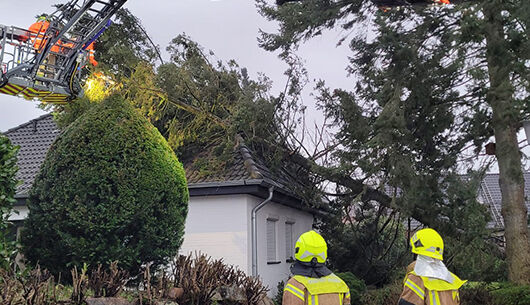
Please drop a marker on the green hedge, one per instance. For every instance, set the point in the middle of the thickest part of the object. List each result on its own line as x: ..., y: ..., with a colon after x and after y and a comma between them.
x: 495, y: 294
x: 110, y: 189
x: 356, y: 285
x: 471, y: 294
x: 388, y: 295
x: 8, y: 184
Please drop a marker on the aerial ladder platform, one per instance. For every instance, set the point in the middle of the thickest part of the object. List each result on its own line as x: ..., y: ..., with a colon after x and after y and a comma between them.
x: 46, y: 65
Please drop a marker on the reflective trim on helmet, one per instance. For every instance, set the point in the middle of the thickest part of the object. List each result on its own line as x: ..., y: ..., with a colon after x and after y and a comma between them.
x: 307, y: 254
x: 295, y: 291
x: 434, y: 250
x: 415, y: 288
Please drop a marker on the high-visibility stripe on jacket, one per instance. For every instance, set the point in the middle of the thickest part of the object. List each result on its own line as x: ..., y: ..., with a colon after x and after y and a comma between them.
x: 419, y: 290
x: 92, y: 55
x: 329, y: 290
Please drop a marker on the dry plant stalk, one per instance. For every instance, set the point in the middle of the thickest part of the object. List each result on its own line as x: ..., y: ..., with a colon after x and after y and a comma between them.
x: 200, y: 276
x: 36, y: 288
x: 9, y: 287
x: 150, y: 293
x: 79, y: 285
x: 254, y: 290
x: 108, y: 283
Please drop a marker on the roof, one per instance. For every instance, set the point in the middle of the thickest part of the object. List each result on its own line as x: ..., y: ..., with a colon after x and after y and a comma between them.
x: 34, y: 138
x: 490, y: 194
x: 244, y: 167
x: 243, y: 173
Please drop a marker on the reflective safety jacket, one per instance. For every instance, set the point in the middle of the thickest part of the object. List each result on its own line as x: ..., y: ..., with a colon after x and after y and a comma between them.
x: 327, y: 290
x: 420, y: 290
x: 91, y: 55
x: 37, y: 30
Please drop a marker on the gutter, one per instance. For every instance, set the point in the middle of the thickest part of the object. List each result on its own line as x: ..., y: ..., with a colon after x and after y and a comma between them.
x: 255, y: 231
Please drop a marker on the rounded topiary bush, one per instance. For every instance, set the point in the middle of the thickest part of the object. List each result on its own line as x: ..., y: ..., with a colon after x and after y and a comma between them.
x: 110, y: 189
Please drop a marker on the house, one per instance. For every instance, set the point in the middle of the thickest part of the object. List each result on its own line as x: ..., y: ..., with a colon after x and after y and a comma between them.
x: 490, y: 195
x: 221, y: 206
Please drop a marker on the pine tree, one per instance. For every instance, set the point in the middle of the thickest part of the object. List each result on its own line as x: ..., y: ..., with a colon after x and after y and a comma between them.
x: 430, y: 84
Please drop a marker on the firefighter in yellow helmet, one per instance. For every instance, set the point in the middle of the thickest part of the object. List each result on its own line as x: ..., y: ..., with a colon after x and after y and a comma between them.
x: 429, y: 282
x: 312, y: 282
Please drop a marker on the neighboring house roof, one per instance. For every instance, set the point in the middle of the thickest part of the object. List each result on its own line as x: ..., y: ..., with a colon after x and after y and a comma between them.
x: 243, y: 174
x: 490, y: 194
x: 34, y: 139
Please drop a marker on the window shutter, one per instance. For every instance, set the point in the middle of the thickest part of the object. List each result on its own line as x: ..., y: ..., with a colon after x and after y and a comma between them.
x: 289, y: 242
x: 271, y: 240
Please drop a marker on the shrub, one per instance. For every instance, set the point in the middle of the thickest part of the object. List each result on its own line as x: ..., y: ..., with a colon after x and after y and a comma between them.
x: 510, y: 294
x: 495, y: 294
x: 388, y: 295
x: 477, y: 260
x: 367, y: 248
x: 110, y: 189
x: 357, y: 286
x: 278, y: 297
x: 472, y: 293
x: 202, y: 277
x: 8, y: 183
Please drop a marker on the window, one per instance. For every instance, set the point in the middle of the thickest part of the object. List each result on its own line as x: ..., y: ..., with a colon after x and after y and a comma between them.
x: 289, y: 241
x: 271, y: 240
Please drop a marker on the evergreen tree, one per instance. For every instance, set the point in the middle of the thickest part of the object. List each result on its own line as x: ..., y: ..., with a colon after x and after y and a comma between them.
x: 431, y: 85
x: 8, y: 184
x: 110, y: 189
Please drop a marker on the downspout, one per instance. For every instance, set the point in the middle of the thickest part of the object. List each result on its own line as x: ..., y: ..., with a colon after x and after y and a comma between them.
x: 255, y: 232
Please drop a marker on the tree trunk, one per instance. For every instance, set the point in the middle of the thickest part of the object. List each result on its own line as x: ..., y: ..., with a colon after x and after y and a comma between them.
x: 506, y: 123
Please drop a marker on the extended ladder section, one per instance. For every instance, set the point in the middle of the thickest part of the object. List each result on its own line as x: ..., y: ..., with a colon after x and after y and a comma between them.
x: 494, y: 208
x: 45, y: 65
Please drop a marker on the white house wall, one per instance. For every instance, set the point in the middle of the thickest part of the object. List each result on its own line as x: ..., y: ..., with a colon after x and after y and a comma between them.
x: 20, y: 213
x: 271, y: 274
x: 217, y: 226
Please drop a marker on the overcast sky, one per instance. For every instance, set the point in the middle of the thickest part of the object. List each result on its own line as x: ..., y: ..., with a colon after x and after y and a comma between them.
x: 227, y: 27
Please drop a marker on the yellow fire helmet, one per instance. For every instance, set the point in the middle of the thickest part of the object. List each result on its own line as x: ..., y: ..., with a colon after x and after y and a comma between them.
x: 428, y: 242
x: 311, y: 245
x: 42, y: 17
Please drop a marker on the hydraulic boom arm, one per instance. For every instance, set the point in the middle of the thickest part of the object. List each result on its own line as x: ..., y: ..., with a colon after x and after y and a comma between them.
x: 45, y: 65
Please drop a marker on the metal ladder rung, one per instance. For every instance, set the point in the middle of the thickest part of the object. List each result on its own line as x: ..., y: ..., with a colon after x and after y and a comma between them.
x: 95, y: 11
x: 58, y: 54
x: 46, y: 79
x: 51, y: 65
x: 104, y: 2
